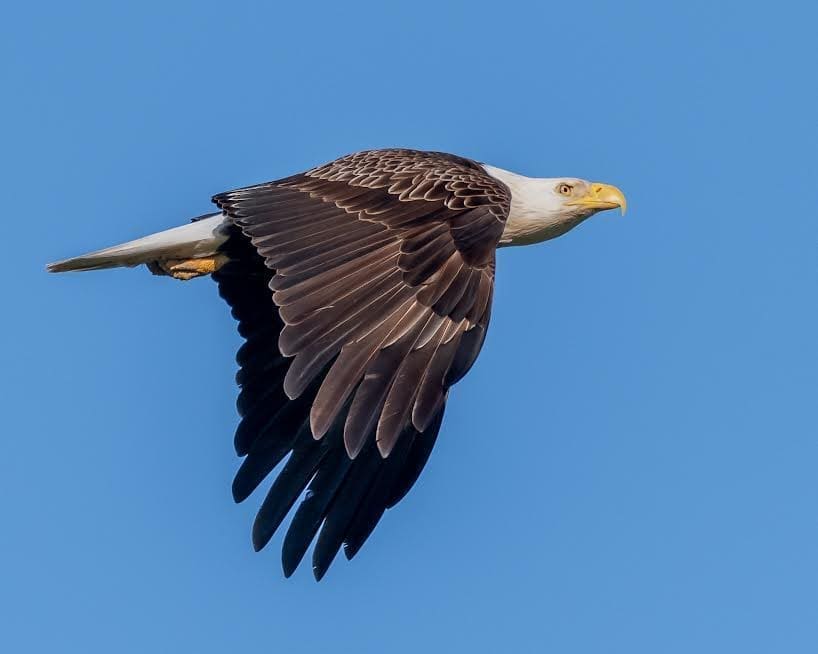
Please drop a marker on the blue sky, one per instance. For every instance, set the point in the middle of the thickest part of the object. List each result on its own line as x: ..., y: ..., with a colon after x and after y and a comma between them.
x: 631, y: 465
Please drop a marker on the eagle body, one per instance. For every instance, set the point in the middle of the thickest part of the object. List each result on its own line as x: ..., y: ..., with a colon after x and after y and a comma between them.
x: 363, y: 290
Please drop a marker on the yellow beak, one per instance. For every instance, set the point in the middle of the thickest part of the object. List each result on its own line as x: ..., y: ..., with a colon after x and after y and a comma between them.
x: 602, y: 197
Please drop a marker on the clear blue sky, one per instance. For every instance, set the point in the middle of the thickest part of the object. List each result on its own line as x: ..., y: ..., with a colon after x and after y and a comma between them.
x: 629, y: 468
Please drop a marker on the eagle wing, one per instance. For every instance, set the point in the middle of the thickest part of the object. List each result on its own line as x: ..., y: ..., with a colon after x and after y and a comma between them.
x: 381, y: 270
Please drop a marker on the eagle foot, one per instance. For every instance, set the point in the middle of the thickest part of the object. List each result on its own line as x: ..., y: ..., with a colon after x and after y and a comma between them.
x: 186, y: 269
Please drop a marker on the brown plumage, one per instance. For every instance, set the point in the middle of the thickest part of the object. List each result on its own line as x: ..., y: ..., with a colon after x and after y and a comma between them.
x: 380, y: 268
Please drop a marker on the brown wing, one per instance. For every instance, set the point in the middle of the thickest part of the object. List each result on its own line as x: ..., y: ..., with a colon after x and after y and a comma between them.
x: 381, y: 266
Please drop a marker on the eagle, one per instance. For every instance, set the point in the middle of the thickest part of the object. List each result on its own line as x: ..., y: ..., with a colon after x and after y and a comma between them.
x: 362, y: 289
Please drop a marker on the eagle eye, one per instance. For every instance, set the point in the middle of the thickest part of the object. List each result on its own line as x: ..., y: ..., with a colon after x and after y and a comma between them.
x: 565, y: 189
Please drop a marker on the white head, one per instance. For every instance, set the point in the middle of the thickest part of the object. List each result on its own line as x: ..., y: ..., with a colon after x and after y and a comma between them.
x: 546, y: 207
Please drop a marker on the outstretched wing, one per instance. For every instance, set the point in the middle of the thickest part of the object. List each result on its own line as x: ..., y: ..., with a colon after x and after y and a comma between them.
x: 381, y: 270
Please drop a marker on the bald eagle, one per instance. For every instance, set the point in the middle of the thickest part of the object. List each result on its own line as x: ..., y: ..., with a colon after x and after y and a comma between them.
x: 363, y: 290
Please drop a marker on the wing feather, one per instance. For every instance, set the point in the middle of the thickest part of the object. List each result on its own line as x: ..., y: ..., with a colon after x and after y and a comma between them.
x: 432, y: 390
x: 346, y: 507
x: 370, y: 294
x: 403, y: 391
x: 312, y: 510
x: 351, y: 363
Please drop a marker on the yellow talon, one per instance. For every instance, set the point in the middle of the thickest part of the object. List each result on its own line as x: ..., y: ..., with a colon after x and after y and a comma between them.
x: 185, y: 269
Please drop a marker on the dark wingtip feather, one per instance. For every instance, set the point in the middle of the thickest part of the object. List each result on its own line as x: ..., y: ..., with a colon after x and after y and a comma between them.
x: 259, y: 540
x: 373, y: 505
x: 289, y: 567
x: 324, y: 554
x: 351, y: 549
x: 262, y: 533
x: 314, y: 508
x: 415, y: 461
x: 260, y: 462
x: 291, y: 481
x: 319, y: 572
x: 346, y: 506
x: 239, y: 492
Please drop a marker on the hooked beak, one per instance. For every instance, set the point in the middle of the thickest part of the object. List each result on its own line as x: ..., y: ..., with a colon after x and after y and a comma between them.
x: 602, y: 197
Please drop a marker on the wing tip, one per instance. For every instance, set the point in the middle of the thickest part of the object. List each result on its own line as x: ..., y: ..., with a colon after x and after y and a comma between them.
x: 318, y: 571
x: 288, y: 568
x: 260, y: 538
x: 349, y: 552
x: 240, y: 489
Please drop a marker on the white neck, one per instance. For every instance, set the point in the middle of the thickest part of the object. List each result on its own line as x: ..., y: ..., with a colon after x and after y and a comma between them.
x: 535, y: 214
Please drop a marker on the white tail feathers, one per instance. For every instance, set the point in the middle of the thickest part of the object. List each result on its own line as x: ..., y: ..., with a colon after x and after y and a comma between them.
x: 201, y: 238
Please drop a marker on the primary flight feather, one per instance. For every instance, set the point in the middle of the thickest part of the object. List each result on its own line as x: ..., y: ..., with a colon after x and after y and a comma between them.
x: 363, y: 291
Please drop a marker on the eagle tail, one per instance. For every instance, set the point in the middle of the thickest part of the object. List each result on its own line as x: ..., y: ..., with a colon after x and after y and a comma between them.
x: 197, y: 240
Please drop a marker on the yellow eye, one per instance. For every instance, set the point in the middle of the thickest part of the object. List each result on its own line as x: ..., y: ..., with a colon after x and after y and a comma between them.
x: 565, y: 189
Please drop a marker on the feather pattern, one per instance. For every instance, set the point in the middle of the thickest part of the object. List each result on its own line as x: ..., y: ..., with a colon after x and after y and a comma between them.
x: 363, y: 288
